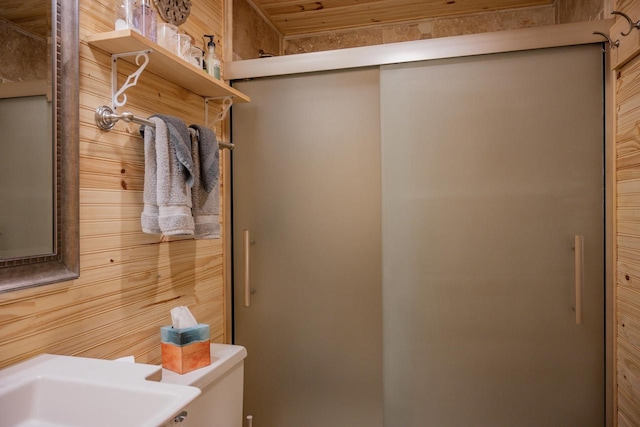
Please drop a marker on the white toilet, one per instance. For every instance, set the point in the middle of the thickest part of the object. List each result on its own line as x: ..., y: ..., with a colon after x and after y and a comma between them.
x: 222, y: 382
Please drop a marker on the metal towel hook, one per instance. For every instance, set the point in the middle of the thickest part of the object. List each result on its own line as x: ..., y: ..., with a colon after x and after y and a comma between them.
x: 632, y: 24
x: 612, y: 44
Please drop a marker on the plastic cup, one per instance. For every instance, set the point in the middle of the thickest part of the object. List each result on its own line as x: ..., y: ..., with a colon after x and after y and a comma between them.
x: 184, y: 46
x: 167, y: 36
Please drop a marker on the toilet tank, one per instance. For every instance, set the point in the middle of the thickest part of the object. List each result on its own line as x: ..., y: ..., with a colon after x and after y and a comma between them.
x: 220, y: 403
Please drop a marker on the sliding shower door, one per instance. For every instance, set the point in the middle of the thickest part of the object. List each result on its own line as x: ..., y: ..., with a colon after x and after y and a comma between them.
x: 306, y: 211
x: 491, y: 165
x: 411, y: 235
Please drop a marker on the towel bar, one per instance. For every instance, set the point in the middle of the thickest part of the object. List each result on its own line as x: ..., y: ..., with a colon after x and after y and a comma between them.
x: 106, y: 118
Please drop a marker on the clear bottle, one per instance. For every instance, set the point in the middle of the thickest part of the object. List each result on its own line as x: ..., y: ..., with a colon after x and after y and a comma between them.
x: 125, y: 10
x: 146, y: 20
x: 212, y: 61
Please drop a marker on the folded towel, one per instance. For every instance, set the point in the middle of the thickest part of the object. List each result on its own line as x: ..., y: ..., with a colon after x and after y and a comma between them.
x: 173, y: 193
x: 205, y: 194
x: 149, y: 217
x: 181, y: 141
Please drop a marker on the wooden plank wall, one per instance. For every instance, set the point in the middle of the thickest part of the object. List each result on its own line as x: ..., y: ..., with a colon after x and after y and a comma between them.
x: 628, y: 243
x: 626, y: 64
x: 128, y: 281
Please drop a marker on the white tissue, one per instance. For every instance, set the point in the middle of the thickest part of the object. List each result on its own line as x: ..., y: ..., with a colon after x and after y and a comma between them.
x: 181, y: 318
x: 127, y: 359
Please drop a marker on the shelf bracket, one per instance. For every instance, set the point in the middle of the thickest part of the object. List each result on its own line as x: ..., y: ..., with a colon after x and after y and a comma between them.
x: 132, y: 79
x: 227, y: 102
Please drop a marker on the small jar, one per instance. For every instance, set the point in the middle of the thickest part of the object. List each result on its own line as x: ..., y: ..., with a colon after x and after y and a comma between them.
x: 146, y: 20
x: 197, y: 55
x: 167, y: 36
x: 183, y: 47
x: 125, y: 10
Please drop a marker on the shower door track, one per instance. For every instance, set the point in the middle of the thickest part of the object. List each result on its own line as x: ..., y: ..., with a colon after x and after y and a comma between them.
x: 421, y: 50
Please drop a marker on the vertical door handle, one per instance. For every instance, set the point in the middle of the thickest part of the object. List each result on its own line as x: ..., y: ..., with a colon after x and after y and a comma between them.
x: 579, y: 275
x: 246, y: 237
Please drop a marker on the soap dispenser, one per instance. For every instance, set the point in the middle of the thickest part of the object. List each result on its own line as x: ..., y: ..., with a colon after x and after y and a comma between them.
x: 212, y: 61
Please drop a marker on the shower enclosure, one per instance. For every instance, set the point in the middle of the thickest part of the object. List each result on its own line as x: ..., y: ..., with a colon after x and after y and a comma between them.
x: 423, y: 244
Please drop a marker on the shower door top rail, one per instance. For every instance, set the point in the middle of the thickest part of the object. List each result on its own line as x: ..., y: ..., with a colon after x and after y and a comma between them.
x: 422, y: 50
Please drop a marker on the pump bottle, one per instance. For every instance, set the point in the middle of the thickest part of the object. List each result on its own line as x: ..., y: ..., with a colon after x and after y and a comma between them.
x: 212, y: 61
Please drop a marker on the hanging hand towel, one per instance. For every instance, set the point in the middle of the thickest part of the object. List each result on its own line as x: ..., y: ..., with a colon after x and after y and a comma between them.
x: 149, y: 217
x: 205, y: 194
x: 173, y: 177
x: 181, y: 141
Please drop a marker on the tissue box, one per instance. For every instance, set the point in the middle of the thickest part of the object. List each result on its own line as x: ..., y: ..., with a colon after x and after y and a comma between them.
x: 185, y: 350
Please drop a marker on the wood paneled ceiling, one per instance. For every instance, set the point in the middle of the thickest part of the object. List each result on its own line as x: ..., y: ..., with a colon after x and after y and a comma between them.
x: 293, y: 17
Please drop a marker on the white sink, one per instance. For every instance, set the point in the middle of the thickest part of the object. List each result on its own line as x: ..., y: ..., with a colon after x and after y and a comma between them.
x: 55, y: 391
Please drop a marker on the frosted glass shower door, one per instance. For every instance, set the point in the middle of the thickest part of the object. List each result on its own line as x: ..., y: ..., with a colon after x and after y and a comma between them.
x: 490, y: 166
x: 306, y: 185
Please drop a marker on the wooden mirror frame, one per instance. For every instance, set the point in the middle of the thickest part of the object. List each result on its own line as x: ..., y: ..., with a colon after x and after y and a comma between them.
x: 63, y: 264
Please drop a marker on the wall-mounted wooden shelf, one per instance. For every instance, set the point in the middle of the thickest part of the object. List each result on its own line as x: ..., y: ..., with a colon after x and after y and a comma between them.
x: 165, y: 64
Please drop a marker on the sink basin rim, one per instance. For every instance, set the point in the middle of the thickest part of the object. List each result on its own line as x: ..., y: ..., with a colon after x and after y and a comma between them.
x: 89, y: 380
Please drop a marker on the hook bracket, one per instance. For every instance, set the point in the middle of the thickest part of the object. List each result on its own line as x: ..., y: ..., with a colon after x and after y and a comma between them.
x: 632, y: 24
x: 132, y: 79
x: 227, y: 102
x: 612, y: 44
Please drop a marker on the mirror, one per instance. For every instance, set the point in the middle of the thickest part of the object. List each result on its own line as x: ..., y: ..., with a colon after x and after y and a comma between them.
x: 39, y: 143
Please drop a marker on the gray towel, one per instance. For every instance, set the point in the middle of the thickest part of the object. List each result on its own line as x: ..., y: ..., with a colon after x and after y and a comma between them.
x: 181, y: 141
x: 149, y: 217
x: 173, y: 193
x: 209, y: 154
x: 205, y: 194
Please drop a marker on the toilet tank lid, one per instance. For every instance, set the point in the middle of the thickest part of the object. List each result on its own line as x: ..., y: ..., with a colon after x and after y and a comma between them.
x: 224, y: 357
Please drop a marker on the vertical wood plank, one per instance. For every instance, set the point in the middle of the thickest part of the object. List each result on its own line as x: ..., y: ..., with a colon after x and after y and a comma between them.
x: 627, y: 154
x: 128, y: 280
